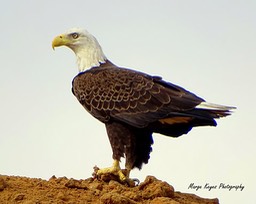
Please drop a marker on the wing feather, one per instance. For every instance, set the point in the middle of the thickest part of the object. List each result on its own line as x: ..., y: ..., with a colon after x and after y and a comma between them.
x: 130, y: 96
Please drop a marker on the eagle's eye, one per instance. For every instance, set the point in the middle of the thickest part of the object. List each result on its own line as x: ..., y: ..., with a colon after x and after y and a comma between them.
x: 74, y: 35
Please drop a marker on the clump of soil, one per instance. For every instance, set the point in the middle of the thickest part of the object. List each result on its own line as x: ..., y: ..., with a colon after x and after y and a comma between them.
x: 22, y: 190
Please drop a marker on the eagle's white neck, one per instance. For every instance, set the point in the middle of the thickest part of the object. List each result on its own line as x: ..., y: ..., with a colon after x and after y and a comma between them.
x: 89, y: 53
x: 88, y: 58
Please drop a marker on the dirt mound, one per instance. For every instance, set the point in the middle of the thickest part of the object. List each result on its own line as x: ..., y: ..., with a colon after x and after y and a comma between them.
x: 14, y: 189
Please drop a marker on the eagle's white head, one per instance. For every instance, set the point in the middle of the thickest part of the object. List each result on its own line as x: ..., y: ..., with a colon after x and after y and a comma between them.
x: 86, y: 47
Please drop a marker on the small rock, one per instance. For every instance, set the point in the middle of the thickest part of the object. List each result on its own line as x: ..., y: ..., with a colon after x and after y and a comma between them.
x: 19, y: 197
x: 73, y: 183
x: 115, y: 198
x: 3, y: 184
x: 153, y: 188
x: 62, y: 196
x: 96, y: 186
x: 163, y: 200
x: 53, y: 178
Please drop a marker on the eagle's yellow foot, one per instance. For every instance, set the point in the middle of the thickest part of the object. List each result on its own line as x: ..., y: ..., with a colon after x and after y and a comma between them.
x: 114, y: 173
x: 114, y: 169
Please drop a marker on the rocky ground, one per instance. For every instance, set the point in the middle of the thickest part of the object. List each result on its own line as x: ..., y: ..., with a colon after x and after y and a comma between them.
x: 22, y: 190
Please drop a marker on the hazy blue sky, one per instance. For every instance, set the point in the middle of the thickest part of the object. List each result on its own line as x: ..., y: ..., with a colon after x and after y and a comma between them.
x: 208, y: 47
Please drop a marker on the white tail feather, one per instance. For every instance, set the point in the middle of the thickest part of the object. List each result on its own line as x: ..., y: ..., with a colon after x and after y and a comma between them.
x: 212, y: 106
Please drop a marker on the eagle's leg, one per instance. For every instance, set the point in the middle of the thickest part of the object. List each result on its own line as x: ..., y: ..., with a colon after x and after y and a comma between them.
x: 121, y: 138
x: 115, y: 170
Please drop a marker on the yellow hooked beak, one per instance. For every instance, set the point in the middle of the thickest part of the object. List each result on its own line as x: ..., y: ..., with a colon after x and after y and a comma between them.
x: 60, y: 40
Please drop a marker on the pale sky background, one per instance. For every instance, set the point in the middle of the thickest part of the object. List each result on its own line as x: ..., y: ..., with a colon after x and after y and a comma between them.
x: 207, y: 47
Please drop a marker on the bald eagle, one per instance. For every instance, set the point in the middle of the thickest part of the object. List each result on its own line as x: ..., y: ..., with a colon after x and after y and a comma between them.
x: 132, y: 105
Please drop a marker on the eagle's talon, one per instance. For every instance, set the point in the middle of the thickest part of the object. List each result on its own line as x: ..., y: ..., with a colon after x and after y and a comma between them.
x: 114, y: 173
x: 129, y: 182
x: 136, y: 181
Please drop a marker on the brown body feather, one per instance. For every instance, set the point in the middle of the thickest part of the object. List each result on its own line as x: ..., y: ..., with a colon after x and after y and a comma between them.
x: 133, y: 105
